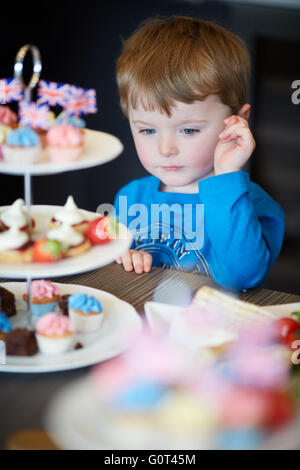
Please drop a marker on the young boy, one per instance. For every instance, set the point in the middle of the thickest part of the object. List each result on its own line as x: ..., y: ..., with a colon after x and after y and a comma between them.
x: 183, y: 86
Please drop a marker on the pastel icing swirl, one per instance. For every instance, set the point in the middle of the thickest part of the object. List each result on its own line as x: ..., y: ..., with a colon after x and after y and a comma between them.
x: 64, y: 135
x: 140, y: 396
x: 22, y: 137
x: 5, y: 323
x: 84, y: 303
x: 44, y: 289
x: 54, y: 324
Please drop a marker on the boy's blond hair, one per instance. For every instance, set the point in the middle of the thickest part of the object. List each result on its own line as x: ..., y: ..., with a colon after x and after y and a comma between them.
x: 182, y: 59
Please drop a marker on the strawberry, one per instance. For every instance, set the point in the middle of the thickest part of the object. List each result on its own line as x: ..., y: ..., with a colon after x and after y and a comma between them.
x: 98, y: 230
x: 47, y: 251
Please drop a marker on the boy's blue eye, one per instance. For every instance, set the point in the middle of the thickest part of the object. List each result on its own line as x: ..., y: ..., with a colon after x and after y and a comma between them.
x: 147, y: 131
x: 189, y: 131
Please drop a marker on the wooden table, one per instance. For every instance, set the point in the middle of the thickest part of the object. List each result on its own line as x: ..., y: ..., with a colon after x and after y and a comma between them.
x: 24, y: 397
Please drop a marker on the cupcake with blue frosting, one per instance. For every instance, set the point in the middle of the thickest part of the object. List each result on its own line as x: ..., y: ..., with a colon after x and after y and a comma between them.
x: 86, y: 312
x: 22, y: 146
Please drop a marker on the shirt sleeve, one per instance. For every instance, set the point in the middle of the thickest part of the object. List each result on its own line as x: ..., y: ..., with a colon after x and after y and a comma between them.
x: 245, y: 232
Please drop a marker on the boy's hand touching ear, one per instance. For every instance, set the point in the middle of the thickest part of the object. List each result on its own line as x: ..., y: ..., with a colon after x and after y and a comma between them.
x: 235, y: 147
x: 139, y: 261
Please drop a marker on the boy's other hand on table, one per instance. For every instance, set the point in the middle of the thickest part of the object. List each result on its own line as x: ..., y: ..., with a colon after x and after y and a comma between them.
x: 139, y: 261
x: 235, y: 146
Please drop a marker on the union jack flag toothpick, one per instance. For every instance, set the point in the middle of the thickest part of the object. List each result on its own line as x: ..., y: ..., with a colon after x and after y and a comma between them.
x: 81, y: 101
x: 10, y: 90
x: 33, y: 115
x: 52, y: 93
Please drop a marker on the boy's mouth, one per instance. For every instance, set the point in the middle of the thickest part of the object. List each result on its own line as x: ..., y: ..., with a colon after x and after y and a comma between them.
x: 172, y: 168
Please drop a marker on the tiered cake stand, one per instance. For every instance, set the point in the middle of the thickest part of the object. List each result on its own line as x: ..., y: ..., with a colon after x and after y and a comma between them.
x: 99, y: 148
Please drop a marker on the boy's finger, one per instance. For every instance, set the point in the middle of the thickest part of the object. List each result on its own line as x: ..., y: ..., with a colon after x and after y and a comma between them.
x: 137, y: 261
x: 118, y: 260
x: 231, y: 120
x: 127, y: 262
x: 147, y: 262
x: 234, y: 127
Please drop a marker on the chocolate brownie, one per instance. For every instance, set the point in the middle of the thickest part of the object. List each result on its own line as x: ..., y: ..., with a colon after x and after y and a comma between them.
x: 63, y: 304
x: 21, y: 342
x: 7, y: 302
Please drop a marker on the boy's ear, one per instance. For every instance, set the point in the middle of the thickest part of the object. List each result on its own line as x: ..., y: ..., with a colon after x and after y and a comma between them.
x: 244, y: 112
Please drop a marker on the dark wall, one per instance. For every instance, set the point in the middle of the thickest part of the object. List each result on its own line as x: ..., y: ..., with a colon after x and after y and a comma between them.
x: 79, y: 44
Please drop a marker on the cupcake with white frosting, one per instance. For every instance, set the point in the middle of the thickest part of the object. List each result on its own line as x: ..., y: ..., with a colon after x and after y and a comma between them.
x: 70, y: 215
x: 75, y: 242
x: 15, y: 246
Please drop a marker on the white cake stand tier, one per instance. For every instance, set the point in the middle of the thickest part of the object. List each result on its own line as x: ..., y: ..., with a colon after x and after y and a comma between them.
x: 95, y: 257
x: 99, y: 148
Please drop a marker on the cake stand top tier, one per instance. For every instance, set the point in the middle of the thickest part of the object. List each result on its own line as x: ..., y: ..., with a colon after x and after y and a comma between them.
x: 99, y: 147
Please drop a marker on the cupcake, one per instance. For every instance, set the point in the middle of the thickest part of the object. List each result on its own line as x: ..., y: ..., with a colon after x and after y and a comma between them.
x: 4, y: 131
x: 15, y: 246
x: 22, y: 146
x: 75, y: 242
x: 5, y: 326
x: 54, y: 333
x: 146, y: 399
x: 21, y: 342
x: 15, y: 216
x: 45, y: 296
x: 65, y: 143
x: 70, y: 215
x: 85, y: 312
x: 8, y: 117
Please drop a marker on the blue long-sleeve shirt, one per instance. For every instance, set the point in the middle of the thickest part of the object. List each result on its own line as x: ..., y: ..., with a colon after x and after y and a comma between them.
x: 232, y: 229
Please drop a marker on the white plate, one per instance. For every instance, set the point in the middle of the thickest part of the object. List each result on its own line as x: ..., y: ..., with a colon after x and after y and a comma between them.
x: 75, y: 427
x: 94, y: 258
x: 99, y: 148
x: 120, y: 324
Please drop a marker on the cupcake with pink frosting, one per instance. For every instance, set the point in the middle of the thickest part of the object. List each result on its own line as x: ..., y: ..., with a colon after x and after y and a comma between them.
x: 64, y: 143
x: 54, y: 333
x: 44, y: 297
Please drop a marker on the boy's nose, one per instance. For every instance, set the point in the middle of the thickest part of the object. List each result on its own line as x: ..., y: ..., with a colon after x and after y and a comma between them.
x: 168, y: 147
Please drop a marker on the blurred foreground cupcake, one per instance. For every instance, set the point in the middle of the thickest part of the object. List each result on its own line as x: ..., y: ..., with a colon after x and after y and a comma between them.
x: 22, y: 146
x: 85, y: 312
x: 45, y: 296
x: 54, y: 333
x: 64, y: 143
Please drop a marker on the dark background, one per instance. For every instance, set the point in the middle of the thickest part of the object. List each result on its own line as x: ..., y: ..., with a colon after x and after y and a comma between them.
x: 80, y: 42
